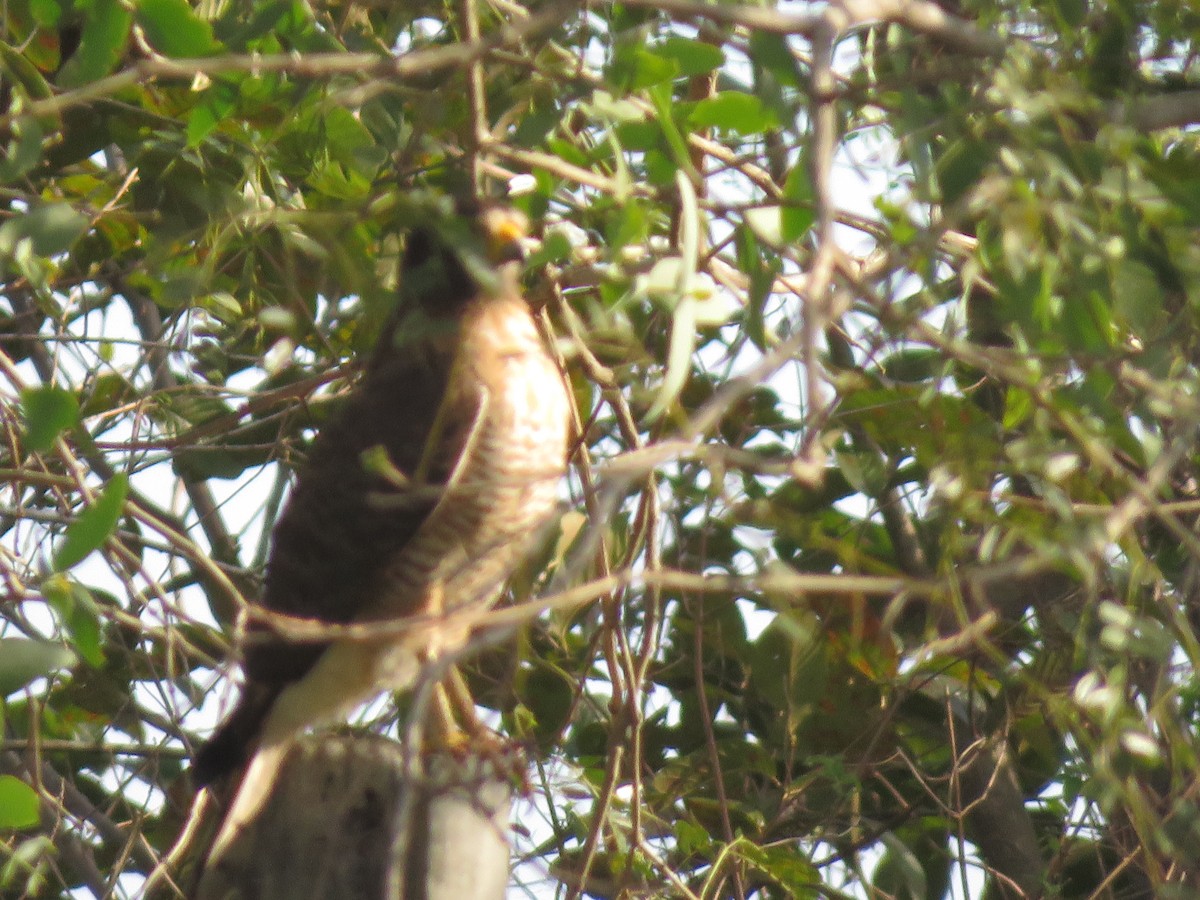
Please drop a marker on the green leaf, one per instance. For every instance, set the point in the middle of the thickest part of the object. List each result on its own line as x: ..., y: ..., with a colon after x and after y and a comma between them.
x: 555, y: 248
x: 732, y: 111
x: 660, y: 168
x: 538, y: 124
x: 77, y: 611
x: 23, y: 660
x: 48, y: 411
x: 19, y: 70
x: 172, y: 27
x: 336, y: 180
x: 46, y: 13
x: 634, y: 68
x: 664, y: 107
x: 762, y: 272
x: 914, y: 364
x: 101, y: 46
x: 201, y: 121
x: 19, y: 806
x: 690, y: 57
x: 785, y: 865
x: 23, y: 150
x: 771, y: 51
x: 631, y: 225
x: 567, y: 152
x: 1138, y: 297
x: 94, y: 525
x: 223, y: 305
x: 766, y: 223
x: 788, y: 669
x: 51, y: 229
x: 679, y: 357
x: 960, y: 167
x: 108, y: 390
x: 796, y: 218
x: 1070, y: 13
x: 692, y: 838
x: 345, y: 136
x: 899, y: 871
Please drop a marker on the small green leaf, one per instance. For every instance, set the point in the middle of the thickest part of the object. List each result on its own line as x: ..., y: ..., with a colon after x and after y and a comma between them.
x: 732, y: 111
x: 223, y: 305
x: 19, y: 806
x: 556, y: 248
x: 567, y: 152
x: 679, y: 357
x: 46, y: 13
x: 76, y: 609
x: 23, y: 150
x: 108, y: 390
x: 899, y: 871
x: 605, y: 106
x: 691, y: 57
x: 631, y: 225
x: 662, y: 97
x: 663, y: 281
x: 1071, y: 13
x: 766, y: 222
x: 23, y: 661
x: 634, y: 68
x: 961, y: 166
x: 784, y: 865
x: 200, y: 123
x: 173, y: 28
x: 692, y: 838
x: 660, y: 168
x: 94, y: 525
x: 51, y: 228
x: 1138, y: 297
x: 913, y: 364
x: 101, y: 45
x: 347, y: 140
x: 49, y: 411
x: 20, y: 70
x: 797, y: 218
x: 771, y: 51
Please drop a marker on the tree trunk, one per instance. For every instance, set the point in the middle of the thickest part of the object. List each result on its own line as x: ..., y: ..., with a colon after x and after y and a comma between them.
x: 345, y: 820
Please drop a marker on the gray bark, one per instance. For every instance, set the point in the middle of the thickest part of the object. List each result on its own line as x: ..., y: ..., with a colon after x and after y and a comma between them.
x: 346, y: 820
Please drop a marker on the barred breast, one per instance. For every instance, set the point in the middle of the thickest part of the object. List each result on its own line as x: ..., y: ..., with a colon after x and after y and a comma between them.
x: 505, y: 488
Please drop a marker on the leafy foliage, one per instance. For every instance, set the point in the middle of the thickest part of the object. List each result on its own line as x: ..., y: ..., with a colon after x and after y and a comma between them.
x: 879, y: 571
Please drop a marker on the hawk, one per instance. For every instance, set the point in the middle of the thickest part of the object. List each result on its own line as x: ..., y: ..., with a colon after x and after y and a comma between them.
x: 420, y: 496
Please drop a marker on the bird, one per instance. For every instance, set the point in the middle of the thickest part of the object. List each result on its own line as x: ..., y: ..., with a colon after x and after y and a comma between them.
x: 417, y: 499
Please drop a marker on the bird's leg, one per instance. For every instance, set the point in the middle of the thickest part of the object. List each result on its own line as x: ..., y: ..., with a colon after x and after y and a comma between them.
x: 458, y: 697
x: 442, y: 730
x: 453, y: 723
x: 452, y: 719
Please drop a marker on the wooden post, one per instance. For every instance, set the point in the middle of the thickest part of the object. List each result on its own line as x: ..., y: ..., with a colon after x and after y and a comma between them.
x: 346, y: 820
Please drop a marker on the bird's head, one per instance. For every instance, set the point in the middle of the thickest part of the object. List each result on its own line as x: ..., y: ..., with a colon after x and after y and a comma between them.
x: 475, y: 250
x: 504, y: 231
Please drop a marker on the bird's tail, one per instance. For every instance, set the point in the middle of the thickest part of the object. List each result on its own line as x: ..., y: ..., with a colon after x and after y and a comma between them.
x: 234, y: 741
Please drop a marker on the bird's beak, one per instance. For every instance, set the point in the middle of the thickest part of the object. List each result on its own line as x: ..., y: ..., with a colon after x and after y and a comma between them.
x: 505, y: 230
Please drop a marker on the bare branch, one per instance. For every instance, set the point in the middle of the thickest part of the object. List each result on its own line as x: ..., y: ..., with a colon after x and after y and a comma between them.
x: 1158, y: 112
x: 310, y: 65
x: 921, y: 17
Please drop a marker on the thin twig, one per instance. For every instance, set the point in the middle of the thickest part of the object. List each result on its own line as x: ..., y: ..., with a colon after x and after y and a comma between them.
x: 310, y: 65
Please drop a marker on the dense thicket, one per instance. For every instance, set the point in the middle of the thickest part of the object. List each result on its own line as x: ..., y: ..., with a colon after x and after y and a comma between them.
x: 878, y: 570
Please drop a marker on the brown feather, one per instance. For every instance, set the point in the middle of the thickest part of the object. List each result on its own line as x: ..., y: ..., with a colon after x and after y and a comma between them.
x: 333, y: 540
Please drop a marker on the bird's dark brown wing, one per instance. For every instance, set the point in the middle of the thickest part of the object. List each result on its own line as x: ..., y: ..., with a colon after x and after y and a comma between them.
x: 338, y: 534
x: 338, y: 530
